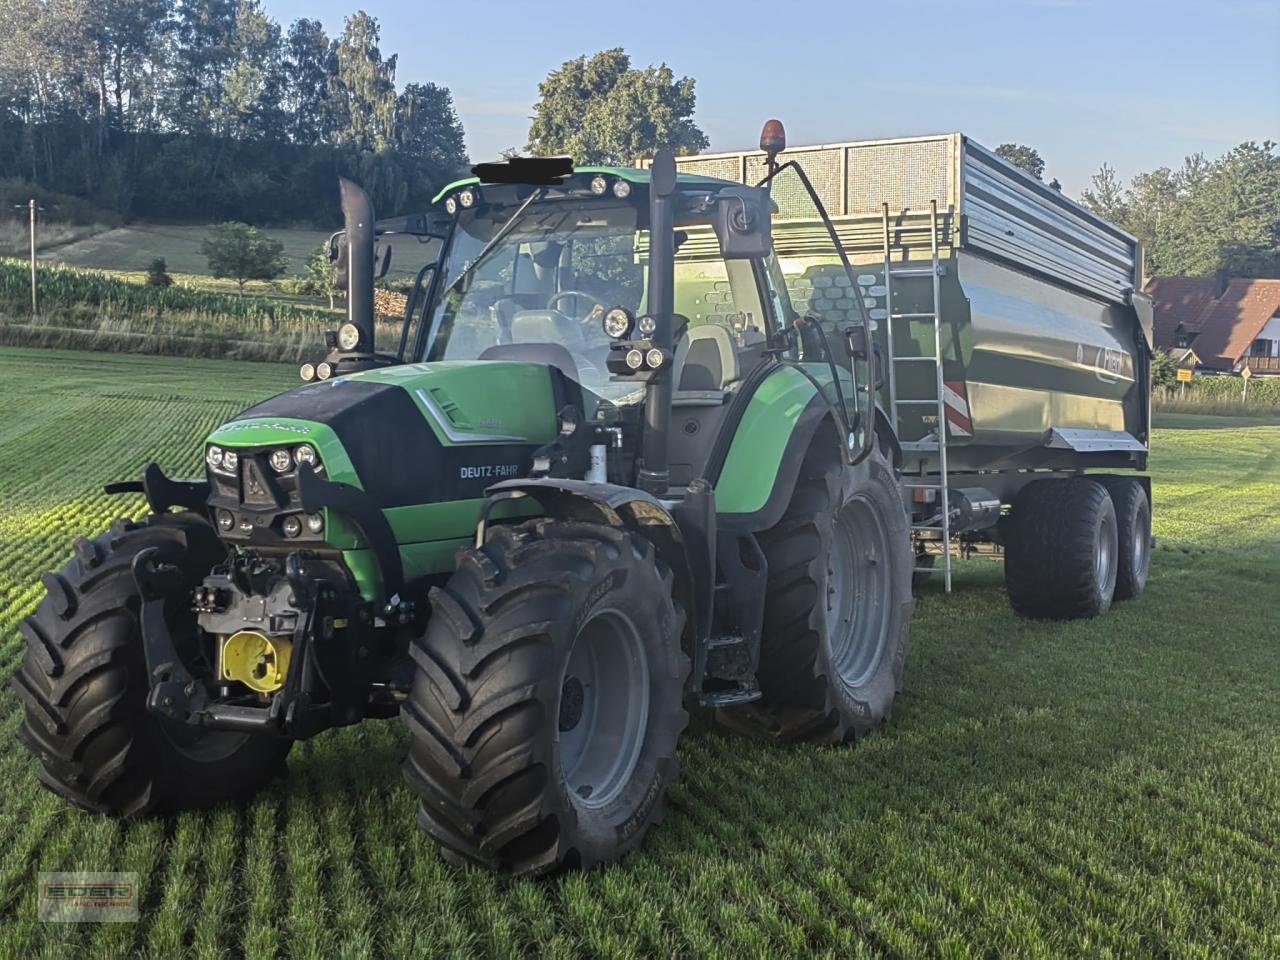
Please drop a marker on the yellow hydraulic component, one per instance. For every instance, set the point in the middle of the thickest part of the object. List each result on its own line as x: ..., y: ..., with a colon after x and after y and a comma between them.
x: 256, y: 660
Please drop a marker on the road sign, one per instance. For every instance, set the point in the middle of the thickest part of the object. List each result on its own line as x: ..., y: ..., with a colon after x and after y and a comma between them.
x: 1246, y: 373
x: 1184, y: 376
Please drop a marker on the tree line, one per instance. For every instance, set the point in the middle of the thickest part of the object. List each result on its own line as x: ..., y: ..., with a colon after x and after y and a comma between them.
x: 208, y: 109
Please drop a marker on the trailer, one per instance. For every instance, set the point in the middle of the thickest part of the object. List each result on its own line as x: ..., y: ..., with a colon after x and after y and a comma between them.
x: 1014, y: 349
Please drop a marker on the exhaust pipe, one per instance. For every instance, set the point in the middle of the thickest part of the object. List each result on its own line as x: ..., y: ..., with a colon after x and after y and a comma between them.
x: 357, y: 215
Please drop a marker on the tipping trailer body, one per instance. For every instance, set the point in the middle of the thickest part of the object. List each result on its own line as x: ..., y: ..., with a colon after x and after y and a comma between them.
x: 1044, y: 333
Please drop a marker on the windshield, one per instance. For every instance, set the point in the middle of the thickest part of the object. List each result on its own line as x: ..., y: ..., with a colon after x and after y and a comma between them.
x: 550, y: 277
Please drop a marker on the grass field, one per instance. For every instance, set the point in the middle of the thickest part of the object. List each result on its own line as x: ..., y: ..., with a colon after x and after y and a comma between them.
x: 1108, y: 788
x: 132, y: 248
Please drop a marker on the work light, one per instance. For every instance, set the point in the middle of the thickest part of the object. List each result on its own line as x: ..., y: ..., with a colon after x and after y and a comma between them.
x: 281, y: 460
x: 307, y: 372
x: 323, y: 370
x: 599, y: 185
x: 646, y: 325
x: 451, y: 206
x: 617, y: 323
x: 467, y: 198
x: 635, y: 359
x: 621, y: 189
x: 348, y: 336
x: 655, y: 358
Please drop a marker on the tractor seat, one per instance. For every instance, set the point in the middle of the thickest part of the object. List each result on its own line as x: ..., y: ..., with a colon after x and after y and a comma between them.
x: 706, y: 362
x: 547, y: 326
x: 548, y: 354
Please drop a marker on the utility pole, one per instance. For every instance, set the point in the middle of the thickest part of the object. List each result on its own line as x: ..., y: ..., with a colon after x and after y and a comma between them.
x: 35, y: 305
x: 32, y: 206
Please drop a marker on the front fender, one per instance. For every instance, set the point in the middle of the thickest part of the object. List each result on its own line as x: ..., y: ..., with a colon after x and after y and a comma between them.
x: 684, y: 538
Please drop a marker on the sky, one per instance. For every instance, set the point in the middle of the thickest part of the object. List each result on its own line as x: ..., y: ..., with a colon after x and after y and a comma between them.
x: 1138, y: 84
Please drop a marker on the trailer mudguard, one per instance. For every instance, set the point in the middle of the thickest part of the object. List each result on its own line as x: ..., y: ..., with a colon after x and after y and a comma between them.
x: 780, y: 420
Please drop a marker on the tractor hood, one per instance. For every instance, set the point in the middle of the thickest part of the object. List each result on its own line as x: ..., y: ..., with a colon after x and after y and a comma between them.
x: 413, y: 434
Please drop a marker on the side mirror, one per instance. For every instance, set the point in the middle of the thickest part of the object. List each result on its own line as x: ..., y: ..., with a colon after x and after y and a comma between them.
x: 743, y: 222
x: 381, y: 260
x: 339, y: 253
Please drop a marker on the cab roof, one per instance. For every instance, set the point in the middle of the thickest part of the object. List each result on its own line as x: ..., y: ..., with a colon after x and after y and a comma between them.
x: 630, y: 174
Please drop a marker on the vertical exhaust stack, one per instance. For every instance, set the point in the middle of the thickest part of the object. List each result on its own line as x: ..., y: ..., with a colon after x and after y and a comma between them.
x: 357, y: 215
x: 653, y: 475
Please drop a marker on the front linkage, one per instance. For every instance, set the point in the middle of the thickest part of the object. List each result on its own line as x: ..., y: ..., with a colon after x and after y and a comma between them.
x: 316, y: 631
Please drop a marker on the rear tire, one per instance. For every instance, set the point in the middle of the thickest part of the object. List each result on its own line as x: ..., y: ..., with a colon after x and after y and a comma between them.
x: 837, y: 609
x: 1133, y: 522
x: 1061, y: 551
x: 547, y: 700
x: 84, y: 684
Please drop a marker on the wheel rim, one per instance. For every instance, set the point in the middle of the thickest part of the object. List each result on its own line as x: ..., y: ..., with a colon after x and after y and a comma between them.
x: 1105, y: 560
x: 603, y: 710
x: 858, y: 588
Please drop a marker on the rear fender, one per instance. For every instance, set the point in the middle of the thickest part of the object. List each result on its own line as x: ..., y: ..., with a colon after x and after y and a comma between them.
x: 785, y: 416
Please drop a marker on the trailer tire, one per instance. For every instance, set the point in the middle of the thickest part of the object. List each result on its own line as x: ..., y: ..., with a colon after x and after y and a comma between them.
x: 1133, y: 521
x: 547, y: 698
x: 84, y: 685
x: 829, y: 671
x: 1061, y: 550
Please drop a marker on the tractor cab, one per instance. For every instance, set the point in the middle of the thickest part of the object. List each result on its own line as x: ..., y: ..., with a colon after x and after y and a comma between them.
x: 658, y: 303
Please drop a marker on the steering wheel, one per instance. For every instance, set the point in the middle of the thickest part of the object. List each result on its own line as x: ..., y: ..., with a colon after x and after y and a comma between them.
x: 579, y: 295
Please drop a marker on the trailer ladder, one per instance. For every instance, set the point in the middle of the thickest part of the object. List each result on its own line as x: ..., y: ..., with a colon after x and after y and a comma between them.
x: 942, y: 524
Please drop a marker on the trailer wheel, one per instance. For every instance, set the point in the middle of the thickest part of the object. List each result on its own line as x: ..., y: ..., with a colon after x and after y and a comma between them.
x: 547, y: 699
x: 1061, y: 555
x: 1133, y: 521
x: 837, y: 610
x: 84, y: 685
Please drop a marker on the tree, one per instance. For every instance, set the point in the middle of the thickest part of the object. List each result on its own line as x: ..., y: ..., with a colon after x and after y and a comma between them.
x: 1027, y: 158
x: 242, y: 252
x: 1203, y: 217
x: 363, y: 89
x: 309, y: 59
x: 318, y: 275
x: 158, y: 274
x: 1164, y: 372
x: 428, y: 129
x: 600, y: 110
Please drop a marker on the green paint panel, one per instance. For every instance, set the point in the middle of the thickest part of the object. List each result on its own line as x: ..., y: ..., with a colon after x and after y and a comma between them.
x: 761, y: 441
x: 288, y: 432
x: 486, y: 398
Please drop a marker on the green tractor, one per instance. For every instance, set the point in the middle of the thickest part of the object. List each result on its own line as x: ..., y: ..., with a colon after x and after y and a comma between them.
x: 607, y: 473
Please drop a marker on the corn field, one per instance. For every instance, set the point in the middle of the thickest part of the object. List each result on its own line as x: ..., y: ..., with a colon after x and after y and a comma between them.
x: 91, y: 310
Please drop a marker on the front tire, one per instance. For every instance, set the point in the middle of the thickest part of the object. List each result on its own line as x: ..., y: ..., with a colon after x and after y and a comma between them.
x: 837, y: 608
x: 1061, y: 552
x: 84, y: 684
x: 547, y: 700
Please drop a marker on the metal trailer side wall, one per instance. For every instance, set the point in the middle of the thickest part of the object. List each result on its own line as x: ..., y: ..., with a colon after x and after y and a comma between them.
x: 1039, y: 328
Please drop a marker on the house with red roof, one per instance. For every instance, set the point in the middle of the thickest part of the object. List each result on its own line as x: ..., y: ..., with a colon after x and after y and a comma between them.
x: 1227, y: 323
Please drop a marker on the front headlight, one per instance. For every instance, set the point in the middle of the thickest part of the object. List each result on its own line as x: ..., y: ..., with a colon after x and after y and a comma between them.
x: 230, y: 461
x: 213, y: 457
x: 281, y: 460
x: 306, y: 454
